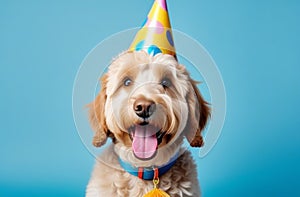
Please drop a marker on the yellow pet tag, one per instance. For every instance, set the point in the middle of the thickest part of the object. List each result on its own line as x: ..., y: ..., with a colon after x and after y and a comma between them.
x: 155, y: 192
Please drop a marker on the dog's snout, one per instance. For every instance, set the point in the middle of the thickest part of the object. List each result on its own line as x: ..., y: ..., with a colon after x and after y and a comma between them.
x: 144, y: 108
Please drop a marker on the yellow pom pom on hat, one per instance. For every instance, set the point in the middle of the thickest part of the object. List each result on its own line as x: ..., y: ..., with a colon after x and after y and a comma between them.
x: 155, y: 35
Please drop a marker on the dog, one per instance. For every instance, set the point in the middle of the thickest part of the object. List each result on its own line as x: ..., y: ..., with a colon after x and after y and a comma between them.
x: 147, y: 105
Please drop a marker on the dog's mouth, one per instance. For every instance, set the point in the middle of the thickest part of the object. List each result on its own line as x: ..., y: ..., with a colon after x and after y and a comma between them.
x: 145, y: 140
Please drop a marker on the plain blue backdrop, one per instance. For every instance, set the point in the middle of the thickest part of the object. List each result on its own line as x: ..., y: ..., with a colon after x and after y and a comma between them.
x: 256, y: 45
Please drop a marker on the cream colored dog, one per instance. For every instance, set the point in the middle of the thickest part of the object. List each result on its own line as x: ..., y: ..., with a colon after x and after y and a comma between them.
x: 147, y: 105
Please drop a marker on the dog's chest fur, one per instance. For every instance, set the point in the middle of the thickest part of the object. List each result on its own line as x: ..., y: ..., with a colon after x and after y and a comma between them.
x: 108, y: 180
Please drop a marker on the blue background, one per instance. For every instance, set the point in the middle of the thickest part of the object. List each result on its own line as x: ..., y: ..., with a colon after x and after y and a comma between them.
x: 255, y: 44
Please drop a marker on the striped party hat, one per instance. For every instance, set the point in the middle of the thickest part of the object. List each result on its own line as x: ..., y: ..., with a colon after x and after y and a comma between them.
x: 155, y: 35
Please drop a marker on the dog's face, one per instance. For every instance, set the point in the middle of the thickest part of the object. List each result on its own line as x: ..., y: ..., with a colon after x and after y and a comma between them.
x: 147, y: 103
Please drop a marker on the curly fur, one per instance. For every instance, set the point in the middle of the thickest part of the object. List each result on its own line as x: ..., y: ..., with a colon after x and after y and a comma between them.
x: 180, y: 180
x: 180, y: 111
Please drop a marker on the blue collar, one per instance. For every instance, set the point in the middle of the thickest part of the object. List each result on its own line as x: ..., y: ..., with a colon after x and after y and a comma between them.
x: 148, y: 173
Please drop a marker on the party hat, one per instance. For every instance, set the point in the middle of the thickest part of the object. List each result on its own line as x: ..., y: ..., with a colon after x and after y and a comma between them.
x: 155, y: 35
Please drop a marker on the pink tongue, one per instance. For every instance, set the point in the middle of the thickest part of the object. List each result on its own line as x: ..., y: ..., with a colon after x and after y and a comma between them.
x: 144, y: 143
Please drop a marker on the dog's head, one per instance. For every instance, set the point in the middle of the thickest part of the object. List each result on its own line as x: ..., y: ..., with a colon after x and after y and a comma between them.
x: 147, y: 103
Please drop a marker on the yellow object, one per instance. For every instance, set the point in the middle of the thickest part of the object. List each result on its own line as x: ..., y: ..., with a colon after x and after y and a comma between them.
x: 155, y: 192
x: 155, y: 35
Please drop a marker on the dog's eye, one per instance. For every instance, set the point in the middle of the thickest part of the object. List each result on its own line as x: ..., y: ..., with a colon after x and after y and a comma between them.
x: 166, y: 82
x: 127, y: 82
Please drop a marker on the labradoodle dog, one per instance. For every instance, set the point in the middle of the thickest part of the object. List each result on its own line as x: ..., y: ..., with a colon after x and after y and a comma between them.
x: 147, y: 106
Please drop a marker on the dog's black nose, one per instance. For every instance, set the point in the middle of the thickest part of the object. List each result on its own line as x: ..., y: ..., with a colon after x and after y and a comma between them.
x: 144, y: 108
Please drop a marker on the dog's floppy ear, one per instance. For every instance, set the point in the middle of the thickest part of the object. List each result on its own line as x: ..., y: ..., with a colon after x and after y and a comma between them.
x: 199, y: 112
x: 97, y: 116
